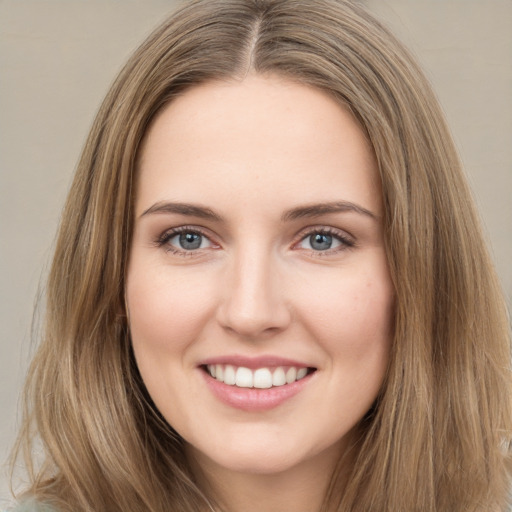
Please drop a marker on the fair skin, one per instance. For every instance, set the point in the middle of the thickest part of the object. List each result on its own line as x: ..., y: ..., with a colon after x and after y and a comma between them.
x: 258, y: 245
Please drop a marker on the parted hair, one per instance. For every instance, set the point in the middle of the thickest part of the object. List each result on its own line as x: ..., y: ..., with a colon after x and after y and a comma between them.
x: 437, y: 438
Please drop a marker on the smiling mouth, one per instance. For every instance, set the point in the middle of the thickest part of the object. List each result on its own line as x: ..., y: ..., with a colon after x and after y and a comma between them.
x: 259, y: 378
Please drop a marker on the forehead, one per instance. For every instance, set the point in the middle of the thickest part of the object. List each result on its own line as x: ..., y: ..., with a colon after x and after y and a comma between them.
x: 263, y: 137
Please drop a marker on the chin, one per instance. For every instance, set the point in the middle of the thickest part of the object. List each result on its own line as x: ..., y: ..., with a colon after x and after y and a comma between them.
x: 260, y: 464
x: 263, y: 457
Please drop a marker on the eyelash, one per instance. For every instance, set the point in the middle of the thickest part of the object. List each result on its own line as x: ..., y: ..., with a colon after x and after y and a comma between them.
x: 346, y: 242
x: 166, y: 236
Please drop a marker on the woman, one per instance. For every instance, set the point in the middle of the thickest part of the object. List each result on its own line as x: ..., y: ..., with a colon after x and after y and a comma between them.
x: 270, y: 290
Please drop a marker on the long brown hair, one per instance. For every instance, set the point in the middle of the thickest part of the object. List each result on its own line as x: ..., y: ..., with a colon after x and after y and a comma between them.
x: 438, y: 437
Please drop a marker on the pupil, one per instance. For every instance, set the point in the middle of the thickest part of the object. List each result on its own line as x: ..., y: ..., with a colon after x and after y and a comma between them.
x: 190, y: 241
x: 320, y: 242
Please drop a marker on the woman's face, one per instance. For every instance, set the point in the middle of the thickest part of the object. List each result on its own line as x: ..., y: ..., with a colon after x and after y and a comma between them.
x: 259, y: 296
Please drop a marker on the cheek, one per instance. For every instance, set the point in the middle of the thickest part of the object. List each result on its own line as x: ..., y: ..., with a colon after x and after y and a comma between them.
x: 352, y: 316
x: 167, y: 313
x: 368, y: 313
x: 166, y: 309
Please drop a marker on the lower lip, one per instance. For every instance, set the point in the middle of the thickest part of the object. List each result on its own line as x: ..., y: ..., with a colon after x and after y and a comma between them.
x: 253, y: 399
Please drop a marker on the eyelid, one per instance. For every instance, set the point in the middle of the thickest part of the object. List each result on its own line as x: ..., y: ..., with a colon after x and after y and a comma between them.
x: 347, y: 240
x: 168, y: 234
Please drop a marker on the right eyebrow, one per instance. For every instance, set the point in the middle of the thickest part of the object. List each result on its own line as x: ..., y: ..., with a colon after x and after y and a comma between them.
x: 188, y: 209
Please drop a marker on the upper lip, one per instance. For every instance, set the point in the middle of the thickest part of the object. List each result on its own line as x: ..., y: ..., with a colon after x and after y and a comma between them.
x: 253, y: 363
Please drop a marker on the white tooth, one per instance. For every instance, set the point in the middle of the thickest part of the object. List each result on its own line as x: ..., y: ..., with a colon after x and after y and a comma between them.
x: 301, y: 373
x: 211, y: 369
x: 262, y: 378
x: 219, y: 372
x: 291, y: 375
x: 229, y: 375
x: 278, y: 377
x: 243, y: 377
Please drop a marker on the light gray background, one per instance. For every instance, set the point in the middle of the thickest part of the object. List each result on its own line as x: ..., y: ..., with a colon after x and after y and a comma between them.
x: 58, y: 57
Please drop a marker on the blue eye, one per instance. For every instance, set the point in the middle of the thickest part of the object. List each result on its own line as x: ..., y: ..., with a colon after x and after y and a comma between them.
x: 186, y: 241
x: 190, y: 241
x: 322, y: 241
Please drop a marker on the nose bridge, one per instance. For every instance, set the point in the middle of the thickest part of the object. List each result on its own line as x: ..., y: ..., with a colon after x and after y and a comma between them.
x: 254, y: 301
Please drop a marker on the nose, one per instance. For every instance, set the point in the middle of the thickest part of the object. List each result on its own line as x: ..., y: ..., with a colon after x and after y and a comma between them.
x: 253, y: 304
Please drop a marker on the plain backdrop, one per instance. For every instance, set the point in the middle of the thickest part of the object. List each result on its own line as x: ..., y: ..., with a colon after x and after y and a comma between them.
x: 58, y: 57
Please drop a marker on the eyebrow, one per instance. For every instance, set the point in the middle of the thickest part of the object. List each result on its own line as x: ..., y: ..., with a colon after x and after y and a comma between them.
x: 182, y: 209
x: 315, y: 210
x: 307, y: 211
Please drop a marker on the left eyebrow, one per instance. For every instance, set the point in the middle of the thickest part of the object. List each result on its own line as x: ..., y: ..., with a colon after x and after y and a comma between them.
x: 315, y: 210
